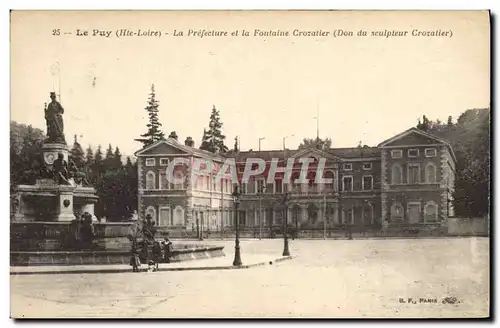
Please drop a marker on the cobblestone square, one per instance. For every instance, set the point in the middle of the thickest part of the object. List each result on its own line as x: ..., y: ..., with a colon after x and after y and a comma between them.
x: 327, y: 278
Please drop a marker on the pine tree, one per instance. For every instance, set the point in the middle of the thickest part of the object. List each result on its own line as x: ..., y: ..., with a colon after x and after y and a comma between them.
x: 109, y: 159
x: 77, y: 155
x: 89, y: 157
x: 154, y: 132
x: 450, y: 121
x: 97, y: 165
x: 117, y: 158
x: 213, y: 139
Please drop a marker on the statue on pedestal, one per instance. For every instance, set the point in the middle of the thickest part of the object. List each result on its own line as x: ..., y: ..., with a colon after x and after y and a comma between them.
x: 60, y: 170
x: 54, y: 120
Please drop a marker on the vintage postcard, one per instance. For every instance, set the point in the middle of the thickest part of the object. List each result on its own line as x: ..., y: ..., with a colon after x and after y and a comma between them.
x: 250, y: 164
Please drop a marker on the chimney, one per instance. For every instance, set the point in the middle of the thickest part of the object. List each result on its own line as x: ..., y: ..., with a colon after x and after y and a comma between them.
x: 173, y: 135
x: 189, y: 142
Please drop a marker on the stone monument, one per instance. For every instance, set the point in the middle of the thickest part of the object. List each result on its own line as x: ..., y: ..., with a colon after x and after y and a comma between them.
x: 61, y: 192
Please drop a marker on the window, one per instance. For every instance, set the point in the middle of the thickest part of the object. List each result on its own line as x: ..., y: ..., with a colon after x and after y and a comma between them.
x: 163, y: 161
x: 150, y: 180
x: 152, y: 212
x: 396, y: 153
x: 397, y: 174
x: 367, y: 166
x: 150, y: 162
x: 163, y: 182
x: 178, y: 219
x: 397, y: 212
x: 242, y: 218
x: 348, y: 216
x: 165, y: 219
x: 430, y: 173
x: 368, y: 214
x: 367, y: 182
x: 278, y: 186
x: 413, y: 153
x: 260, y: 186
x: 178, y: 180
x: 414, y: 212
x: 330, y: 175
x: 430, y: 212
x: 347, y: 167
x: 413, y: 173
x: 347, y: 183
x: 430, y: 152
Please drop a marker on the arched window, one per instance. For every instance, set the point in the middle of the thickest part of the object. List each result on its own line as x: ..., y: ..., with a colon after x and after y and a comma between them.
x: 430, y: 173
x: 151, y: 211
x: 150, y: 180
x: 397, y: 212
x: 178, y: 216
x: 331, y: 176
x: 430, y: 212
x: 397, y: 174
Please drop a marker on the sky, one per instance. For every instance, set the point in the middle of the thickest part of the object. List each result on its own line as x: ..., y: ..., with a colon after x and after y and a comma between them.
x: 365, y: 88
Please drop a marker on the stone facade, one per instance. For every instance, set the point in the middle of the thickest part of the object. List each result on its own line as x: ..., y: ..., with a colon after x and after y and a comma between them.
x: 407, y: 180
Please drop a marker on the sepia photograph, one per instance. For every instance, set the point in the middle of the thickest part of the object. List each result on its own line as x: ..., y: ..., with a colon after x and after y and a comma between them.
x: 250, y: 164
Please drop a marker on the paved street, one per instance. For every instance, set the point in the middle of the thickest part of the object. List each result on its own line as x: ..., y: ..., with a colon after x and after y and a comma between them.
x: 332, y: 278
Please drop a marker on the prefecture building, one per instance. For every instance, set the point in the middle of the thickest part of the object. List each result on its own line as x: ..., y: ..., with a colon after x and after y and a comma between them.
x: 405, y: 180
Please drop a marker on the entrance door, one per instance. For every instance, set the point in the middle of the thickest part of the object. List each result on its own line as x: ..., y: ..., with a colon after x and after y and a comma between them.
x: 414, y: 213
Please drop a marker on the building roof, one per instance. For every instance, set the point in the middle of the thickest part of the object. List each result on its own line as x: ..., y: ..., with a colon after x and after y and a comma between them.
x: 355, y: 152
x: 345, y: 153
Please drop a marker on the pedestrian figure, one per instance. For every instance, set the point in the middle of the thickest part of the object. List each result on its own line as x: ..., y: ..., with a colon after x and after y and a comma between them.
x: 135, y: 261
x: 167, y: 249
x: 157, y: 255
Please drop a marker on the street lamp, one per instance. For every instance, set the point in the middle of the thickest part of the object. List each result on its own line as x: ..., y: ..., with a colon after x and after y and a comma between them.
x: 236, y: 202
x: 286, y: 251
x: 261, y: 190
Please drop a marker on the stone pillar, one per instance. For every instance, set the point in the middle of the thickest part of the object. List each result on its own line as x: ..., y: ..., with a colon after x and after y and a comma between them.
x: 336, y: 214
x: 65, y: 212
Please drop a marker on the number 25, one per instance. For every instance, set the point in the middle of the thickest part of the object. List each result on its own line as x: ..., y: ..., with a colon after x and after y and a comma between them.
x: 56, y: 32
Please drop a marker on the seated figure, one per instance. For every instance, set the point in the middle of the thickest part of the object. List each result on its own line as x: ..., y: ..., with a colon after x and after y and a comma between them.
x: 60, y: 170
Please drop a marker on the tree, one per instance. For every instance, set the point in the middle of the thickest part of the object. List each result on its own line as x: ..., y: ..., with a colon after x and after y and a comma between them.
x: 89, y: 157
x: 213, y: 139
x: 26, y: 153
x: 318, y: 143
x: 77, y: 155
x: 117, y: 158
x: 109, y: 159
x: 470, y: 140
x: 97, y: 166
x: 154, y: 126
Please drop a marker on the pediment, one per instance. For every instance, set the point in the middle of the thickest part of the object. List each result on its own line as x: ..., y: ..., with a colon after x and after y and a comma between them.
x: 163, y: 148
x: 315, y: 154
x: 411, y: 137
